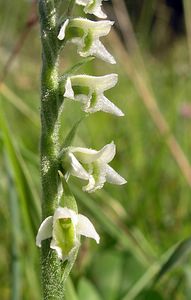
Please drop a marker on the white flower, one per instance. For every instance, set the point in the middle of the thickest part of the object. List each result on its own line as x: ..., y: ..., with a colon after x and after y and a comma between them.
x: 65, y: 228
x: 92, y: 165
x: 89, y: 91
x: 92, y: 7
x: 85, y: 34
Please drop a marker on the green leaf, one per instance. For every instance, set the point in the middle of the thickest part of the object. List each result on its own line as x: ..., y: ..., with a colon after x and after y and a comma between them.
x: 180, y: 251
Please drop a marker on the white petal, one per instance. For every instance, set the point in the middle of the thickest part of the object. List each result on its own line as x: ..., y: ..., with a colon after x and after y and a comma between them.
x: 97, y: 28
x: 64, y: 212
x: 45, y: 230
x: 113, y: 177
x: 84, y: 99
x: 106, y: 82
x: 58, y: 250
x: 77, y: 41
x: 98, y: 13
x: 87, y: 156
x: 98, y: 174
x: 96, y: 10
x: 86, y: 228
x: 76, y: 168
x: 62, y: 31
x: 83, y: 2
x: 97, y: 49
x: 105, y: 105
x: 90, y: 187
x: 100, y: 28
x: 69, y: 93
x: 97, y: 83
x: 84, y: 155
x: 107, y: 153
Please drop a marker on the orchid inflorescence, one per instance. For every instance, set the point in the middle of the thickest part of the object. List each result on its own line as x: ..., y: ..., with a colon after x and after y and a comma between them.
x: 66, y: 225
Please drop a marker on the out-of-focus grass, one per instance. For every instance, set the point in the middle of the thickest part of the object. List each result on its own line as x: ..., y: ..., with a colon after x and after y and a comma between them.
x: 138, y: 223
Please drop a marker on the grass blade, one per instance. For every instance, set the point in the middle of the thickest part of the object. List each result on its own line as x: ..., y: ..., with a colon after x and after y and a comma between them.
x: 19, y: 104
x: 180, y: 251
x: 27, y: 196
x: 70, y: 292
x: 15, y: 240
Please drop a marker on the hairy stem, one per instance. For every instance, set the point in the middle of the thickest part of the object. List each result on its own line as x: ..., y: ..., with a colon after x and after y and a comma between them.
x: 50, y: 104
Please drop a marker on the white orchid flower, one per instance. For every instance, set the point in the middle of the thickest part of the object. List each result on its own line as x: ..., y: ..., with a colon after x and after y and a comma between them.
x: 65, y: 228
x: 89, y: 90
x: 92, y: 7
x: 92, y: 165
x: 85, y: 34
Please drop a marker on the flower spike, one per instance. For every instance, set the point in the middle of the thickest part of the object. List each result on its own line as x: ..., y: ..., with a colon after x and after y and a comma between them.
x: 85, y: 34
x: 92, y: 7
x: 94, y: 163
x: 65, y: 228
x: 89, y: 90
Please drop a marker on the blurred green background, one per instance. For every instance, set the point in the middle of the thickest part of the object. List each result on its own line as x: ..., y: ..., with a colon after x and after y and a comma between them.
x: 144, y: 225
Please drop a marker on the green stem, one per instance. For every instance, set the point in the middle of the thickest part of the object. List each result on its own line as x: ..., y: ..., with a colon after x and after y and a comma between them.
x: 50, y: 105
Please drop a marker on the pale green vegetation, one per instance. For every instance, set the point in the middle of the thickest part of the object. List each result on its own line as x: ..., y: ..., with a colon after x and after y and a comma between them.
x: 141, y: 223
